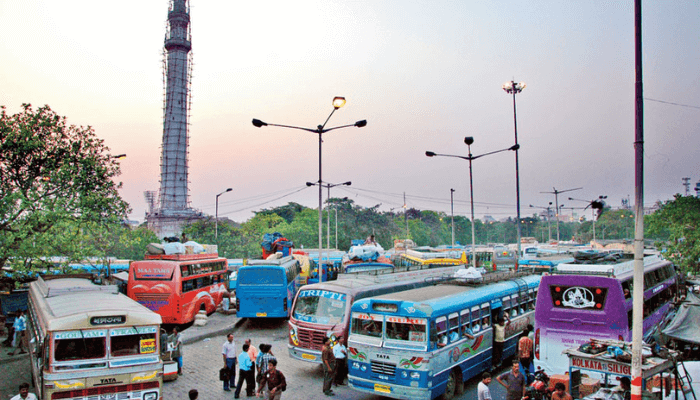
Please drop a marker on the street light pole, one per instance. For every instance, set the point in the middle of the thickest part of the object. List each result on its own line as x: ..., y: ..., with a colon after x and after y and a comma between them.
x: 328, y: 220
x: 514, y: 88
x: 556, y: 205
x: 216, y: 219
x: 338, y: 102
x: 469, y: 141
x: 549, y: 213
x: 452, y: 208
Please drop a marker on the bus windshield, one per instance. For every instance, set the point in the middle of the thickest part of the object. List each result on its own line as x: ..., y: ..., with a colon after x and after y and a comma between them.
x: 367, y: 324
x: 261, y: 276
x: 320, y: 307
x: 132, y: 341
x: 408, y: 329
x: 80, y: 345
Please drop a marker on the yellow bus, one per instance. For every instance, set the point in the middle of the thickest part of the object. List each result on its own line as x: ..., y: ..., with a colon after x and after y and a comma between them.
x: 90, y: 341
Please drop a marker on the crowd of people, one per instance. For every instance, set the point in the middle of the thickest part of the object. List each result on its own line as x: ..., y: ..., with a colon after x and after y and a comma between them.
x: 254, y: 366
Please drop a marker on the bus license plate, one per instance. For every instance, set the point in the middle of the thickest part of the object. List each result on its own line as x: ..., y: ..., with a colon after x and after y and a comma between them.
x: 308, y: 356
x: 261, y: 314
x: 382, y: 388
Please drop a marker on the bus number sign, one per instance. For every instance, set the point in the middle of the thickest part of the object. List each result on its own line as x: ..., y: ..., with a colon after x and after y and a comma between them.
x: 108, y: 320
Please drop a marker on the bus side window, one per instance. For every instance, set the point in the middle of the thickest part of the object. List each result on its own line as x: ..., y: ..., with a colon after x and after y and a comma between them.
x: 477, y: 325
x: 441, y: 323
x: 465, y: 323
x: 486, y: 316
x: 454, y: 327
x: 185, y: 270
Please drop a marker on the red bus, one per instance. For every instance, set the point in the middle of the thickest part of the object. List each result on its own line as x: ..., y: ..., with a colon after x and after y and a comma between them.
x: 178, y: 286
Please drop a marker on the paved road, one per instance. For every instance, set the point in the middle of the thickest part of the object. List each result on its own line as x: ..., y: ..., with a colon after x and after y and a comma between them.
x: 202, y: 361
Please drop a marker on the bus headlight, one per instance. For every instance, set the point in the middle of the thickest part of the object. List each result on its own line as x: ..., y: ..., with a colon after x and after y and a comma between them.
x: 355, y: 365
x: 415, y: 375
x: 404, y: 374
x: 364, y: 368
x: 150, y: 396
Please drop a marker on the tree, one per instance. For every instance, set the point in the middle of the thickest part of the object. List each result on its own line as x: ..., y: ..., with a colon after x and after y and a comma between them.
x: 51, y: 173
x: 679, y: 219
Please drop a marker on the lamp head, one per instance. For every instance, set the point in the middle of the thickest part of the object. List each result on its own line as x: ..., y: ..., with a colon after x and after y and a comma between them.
x: 229, y: 189
x: 514, y: 147
x: 257, y: 123
x: 118, y: 156
x: 338, y: 102
x: 430, y: 154
x: 310, y: 184
x: 361, y: 124
x: 348, y: 183
x: 469, y: 140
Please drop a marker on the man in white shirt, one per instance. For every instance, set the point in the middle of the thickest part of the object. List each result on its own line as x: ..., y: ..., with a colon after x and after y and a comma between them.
x: 228, y: 352
x: 341, y: 361
x: 482, y: 389
x: 24, y: 393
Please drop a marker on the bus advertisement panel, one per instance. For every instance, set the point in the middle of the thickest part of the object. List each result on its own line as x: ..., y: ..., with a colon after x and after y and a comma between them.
x: 580, y: 302
x: 424, y: 343
x: 81, y: 348
x: 178, y: 286
x: 323, y: 309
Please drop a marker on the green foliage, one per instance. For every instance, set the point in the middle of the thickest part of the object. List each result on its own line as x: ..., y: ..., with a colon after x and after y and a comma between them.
x: 55, y: 181
x: 679, y: 219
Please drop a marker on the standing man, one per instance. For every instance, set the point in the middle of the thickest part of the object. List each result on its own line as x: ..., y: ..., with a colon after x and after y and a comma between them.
x: 499, y: 337
x: 20, y: 326
x: 176, y: 342
x: 340, y: 352
x: 525, y: 352
x: 245, y: 373
x: 482, y: 390
x: 328, y: 360
x: 253, y: 354
x: 24, y: 393
x: 514, y: 382
x: 275, y: 381
x: 229, y: 354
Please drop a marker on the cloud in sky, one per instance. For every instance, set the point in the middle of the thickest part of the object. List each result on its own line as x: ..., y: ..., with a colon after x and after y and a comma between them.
x: 423, y: 74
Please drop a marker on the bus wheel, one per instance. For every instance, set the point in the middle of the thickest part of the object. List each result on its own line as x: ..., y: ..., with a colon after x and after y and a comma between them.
x: 451, y: 388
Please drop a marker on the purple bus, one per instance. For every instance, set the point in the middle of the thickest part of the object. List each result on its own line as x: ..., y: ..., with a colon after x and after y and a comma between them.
x: 579, y: 302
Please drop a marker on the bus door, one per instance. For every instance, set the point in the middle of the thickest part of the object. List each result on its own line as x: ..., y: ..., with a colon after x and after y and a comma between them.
x: 496, y: 310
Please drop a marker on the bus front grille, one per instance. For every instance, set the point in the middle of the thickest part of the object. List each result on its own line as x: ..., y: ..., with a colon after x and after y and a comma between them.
x: 310, y: 339
x: 384, y: 368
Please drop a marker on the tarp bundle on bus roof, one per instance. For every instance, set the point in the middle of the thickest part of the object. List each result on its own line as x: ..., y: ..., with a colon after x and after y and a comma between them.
x: 685, y: 326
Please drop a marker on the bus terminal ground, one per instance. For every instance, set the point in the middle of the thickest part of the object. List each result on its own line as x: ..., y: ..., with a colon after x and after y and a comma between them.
x: 202, y: 361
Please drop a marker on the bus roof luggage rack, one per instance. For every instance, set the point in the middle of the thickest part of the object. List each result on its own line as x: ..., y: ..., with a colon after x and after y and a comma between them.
x: 489, y: 277
x: 72, y: 285
x: 275, y: 261
x: 180, y: 257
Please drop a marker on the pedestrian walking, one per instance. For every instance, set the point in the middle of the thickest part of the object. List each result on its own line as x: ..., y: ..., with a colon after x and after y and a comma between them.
x: 193, y: 394
x: 9, y: 326
x: 514, y: 382
x: 20, y: 326
x: 245, y: 374
x: 341, y: 361
x: 24, y: 393
x: 253, y: 354
x: 499, y: 337
x: 228, y: 352
x: 176, y: 344
x: 262, y: 362
x: 275, y: 381
x: 482, y: 389
x: 328, y: 360
x: 525, y: 352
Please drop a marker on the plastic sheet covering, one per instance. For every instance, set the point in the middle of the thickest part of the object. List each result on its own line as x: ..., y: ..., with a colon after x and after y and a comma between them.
x: 685, y: 326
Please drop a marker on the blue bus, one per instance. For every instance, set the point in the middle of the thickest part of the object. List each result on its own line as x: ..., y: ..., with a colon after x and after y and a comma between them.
x: 414, y: 344
x: 266, y: 288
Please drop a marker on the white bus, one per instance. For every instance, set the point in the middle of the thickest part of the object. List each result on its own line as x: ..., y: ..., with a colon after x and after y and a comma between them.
x: 92, y: 342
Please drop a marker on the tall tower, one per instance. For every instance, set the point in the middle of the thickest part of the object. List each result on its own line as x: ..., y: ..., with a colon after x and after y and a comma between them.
x: 173, y: 198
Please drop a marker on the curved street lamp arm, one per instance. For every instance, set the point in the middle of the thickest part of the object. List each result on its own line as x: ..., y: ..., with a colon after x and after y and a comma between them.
x: 492, y: 152
x: 295, y: 127
x: 358, y: 124
x: 447, y: 155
